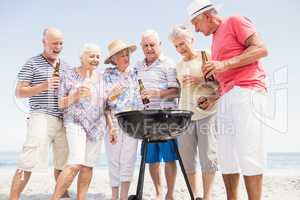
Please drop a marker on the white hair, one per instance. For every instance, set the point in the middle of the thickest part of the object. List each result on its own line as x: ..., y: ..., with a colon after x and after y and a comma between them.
x: 181, y: 31
x: 88, y: 48
x: 149, y: 33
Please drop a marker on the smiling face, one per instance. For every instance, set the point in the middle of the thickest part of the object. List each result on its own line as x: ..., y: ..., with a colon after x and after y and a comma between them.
x: 53, y: 44
x: 151, y: 48
x: 183, y: 46
x: 90, y: 59
x: 121, y: 59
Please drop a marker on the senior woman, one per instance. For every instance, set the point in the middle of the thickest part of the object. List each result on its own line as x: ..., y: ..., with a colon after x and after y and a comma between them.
x: 82, y: 98
x: 201, y: 134
x: 121, y: 149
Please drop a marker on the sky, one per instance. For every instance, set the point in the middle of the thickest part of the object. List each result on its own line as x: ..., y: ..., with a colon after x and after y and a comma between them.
x: 100, y: 22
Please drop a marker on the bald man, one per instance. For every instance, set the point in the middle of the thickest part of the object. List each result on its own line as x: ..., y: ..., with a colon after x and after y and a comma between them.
x: 44, y: 123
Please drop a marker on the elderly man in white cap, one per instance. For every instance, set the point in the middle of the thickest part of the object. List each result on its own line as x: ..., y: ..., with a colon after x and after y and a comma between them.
x: 236, y: 51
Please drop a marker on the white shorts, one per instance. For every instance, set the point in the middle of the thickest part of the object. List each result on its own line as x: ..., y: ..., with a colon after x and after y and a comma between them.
x: 240, y: 119
x: 81, y: 150
x: 43, y: 130
x: 121, y: 158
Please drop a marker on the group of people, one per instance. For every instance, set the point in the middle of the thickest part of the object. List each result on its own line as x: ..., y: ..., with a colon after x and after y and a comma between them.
x: 74, y: 111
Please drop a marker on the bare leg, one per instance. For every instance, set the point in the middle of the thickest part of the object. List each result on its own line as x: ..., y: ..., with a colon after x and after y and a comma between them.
x: 83, y: 181
x: 56, y: 175
x: 208, y: 180
x: 124, y: 190
x: 170, y: 172
x: 155, y: 175
x: 115, y: 193
x: 64, y: 180
x: 193, y: 182
x: 18, y: 184
x: 231, y: 182
x: 254, y: 186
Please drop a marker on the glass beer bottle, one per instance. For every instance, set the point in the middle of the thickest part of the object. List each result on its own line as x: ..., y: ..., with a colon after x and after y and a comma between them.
x: 204, y: 60
x: 145, y: 100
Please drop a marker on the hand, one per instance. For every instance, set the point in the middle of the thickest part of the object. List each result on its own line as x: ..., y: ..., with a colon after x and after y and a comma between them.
x: 113, y: 137
x: 53, y: 83
x: 83, y: 92
x: 189, y: 80
x: 206, y: 103
x: 115, y: 92
x: 211, y: 68
x: 150, y: 94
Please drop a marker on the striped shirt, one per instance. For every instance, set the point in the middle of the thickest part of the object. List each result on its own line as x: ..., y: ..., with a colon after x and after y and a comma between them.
x: 35, y: 71
x: 160, y: 75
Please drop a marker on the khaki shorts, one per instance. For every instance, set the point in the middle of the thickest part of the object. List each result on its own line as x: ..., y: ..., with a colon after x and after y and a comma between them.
x: 201, y: 138
x: 43, y: 130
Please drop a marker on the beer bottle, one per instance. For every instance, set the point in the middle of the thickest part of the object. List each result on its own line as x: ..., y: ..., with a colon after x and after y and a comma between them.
x: 204, y: 60
x: 142, y: 88
x: 56, y: 70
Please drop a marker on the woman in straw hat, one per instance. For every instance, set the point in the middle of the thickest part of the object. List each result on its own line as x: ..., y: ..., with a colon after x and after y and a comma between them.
x: 82, y: 98
x: 121, y: 149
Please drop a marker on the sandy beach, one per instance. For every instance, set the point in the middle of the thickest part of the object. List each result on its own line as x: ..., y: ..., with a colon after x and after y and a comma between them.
x: 278, y: 185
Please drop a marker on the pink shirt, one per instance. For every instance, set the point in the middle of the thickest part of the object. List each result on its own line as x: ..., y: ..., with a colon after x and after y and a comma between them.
x: 229, y: 41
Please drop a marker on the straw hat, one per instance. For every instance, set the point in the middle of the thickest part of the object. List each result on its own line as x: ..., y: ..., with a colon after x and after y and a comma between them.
x: 117, y: 46
x: 197, y: 7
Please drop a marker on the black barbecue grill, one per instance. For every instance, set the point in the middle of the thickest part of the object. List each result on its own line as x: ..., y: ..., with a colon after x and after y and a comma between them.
x: 155, y: 126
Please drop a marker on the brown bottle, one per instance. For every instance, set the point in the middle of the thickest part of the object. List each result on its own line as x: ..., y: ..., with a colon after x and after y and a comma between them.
x: 56, y: 70
x: 142, y: 88
x: 204, y: 60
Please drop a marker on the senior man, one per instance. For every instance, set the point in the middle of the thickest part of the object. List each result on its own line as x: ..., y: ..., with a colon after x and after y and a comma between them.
x: 44, y: 124
x: 236, y: 53
x: 158, y: 74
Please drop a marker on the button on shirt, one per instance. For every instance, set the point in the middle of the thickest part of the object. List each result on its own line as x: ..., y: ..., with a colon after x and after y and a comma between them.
x: 160, y: 75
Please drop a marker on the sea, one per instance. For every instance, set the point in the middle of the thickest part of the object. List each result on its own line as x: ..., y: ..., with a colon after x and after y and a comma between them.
x: 275, y: 161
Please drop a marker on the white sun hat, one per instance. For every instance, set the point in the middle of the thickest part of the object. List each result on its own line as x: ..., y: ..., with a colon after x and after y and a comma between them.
x: 197, y: 7
x: 117, y: 46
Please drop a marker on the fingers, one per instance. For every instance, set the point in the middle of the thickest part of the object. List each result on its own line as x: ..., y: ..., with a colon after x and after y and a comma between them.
x: 53, y: 83
x: 203, y: 103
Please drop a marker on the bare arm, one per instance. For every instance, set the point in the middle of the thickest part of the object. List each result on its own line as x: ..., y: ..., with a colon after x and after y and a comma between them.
x: 169, y: 93
x: 25, y: 90
x: 66, y: 101
x: 164, y: 94
x: 255, y: 51
x: 109, y: 120
x: 82, y: 92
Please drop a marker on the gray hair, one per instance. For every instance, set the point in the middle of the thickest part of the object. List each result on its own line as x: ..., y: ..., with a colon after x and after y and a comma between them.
x: 88, y: 47
x: 181, y: 31
x: 149, y: 33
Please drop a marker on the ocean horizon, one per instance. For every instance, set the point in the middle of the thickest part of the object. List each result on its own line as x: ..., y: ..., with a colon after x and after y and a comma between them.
x: 275, y: 160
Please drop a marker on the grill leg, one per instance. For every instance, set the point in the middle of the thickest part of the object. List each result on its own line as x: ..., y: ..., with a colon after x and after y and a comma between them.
x: 139, y: 189
x: 182, y: 169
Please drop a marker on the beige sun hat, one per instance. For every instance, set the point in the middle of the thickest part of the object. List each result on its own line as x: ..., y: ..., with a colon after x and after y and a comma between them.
x: 197, y: 7
x: 117, y: 46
